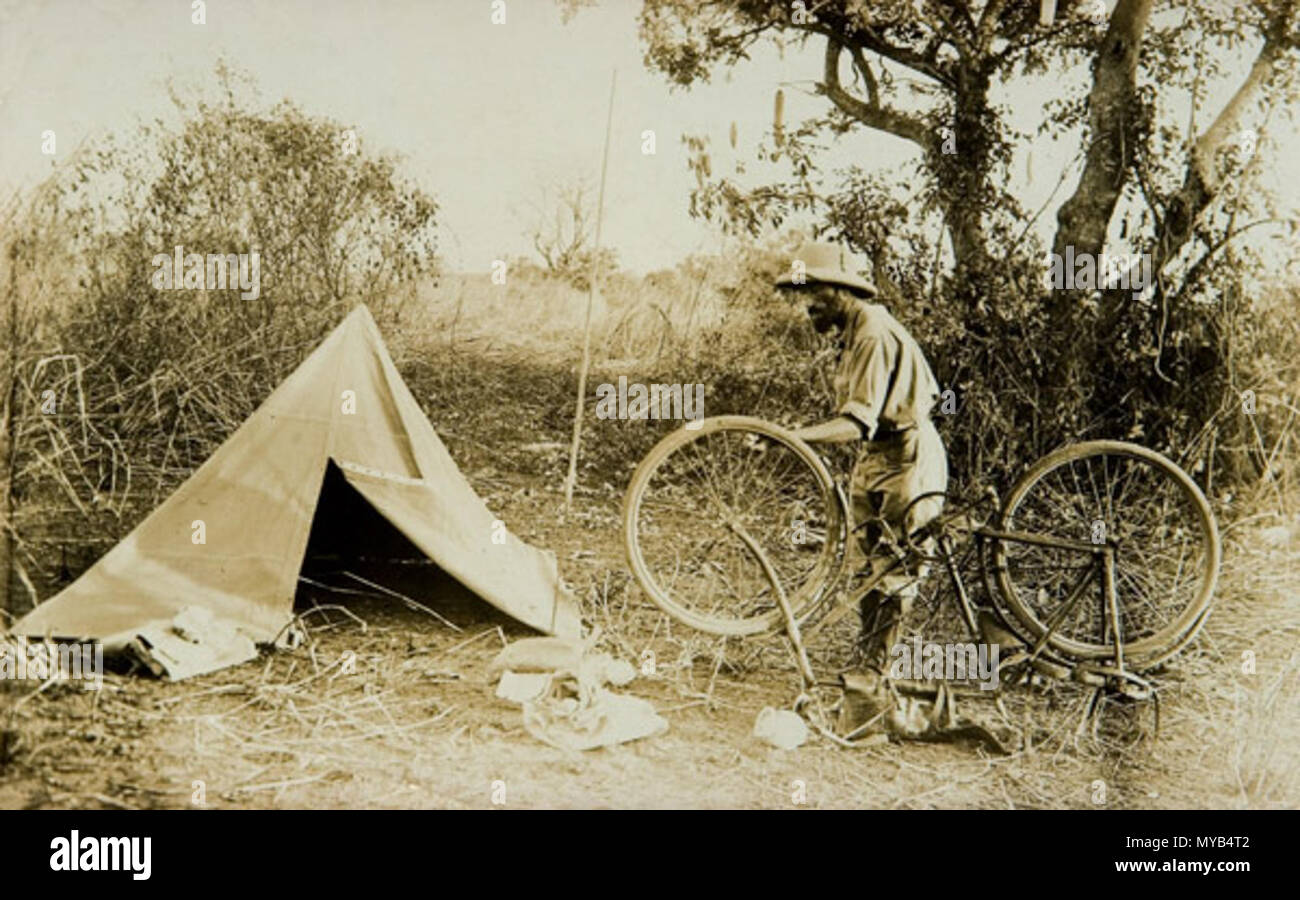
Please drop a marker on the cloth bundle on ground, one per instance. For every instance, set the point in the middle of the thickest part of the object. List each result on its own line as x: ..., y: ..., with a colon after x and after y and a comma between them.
x: 561, y: 686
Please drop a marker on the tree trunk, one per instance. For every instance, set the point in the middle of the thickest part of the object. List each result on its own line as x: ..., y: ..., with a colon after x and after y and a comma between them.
x: 1203, y: 180
x: 965, y: 178
x: 1084, y: 218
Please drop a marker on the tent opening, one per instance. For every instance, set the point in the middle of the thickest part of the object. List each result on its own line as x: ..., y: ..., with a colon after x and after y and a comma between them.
x: 357, y: 558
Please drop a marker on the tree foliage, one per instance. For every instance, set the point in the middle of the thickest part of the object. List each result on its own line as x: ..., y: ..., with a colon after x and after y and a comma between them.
x: 953, y: 244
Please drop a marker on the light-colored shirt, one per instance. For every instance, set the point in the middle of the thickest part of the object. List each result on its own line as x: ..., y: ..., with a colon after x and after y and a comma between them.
x: 883, y: 381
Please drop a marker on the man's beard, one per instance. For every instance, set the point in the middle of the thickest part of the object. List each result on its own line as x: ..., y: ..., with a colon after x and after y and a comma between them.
x: 823, y: 324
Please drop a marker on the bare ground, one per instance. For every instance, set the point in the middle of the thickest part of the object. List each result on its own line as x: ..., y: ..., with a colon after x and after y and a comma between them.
x: 413, y: 722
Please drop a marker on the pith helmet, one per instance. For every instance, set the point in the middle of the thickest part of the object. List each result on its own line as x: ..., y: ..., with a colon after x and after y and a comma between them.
x: 825, y: 263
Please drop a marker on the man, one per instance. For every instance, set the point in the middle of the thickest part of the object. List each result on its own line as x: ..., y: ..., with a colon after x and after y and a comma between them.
x: 884, y: 392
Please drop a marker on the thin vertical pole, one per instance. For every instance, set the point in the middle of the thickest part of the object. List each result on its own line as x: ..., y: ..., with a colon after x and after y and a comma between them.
x: 9, y: 449
x: 572, y: 478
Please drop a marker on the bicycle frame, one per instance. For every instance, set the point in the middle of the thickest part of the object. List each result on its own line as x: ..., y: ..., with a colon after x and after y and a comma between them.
x: 1057, y: 597
x: 1037, y: 654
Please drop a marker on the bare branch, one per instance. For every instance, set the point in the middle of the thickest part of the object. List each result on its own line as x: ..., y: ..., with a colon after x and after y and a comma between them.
x: 872, y: 114
x: 1202, y: 180
x: 868, y: 77
x: 1231, y: 119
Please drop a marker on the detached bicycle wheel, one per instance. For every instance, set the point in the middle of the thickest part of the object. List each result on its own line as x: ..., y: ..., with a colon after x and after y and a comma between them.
x: 1166, y: 553
x: 698, y: 491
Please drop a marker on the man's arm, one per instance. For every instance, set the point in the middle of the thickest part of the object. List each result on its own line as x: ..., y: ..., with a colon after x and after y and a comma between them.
x: 866, y: 368
x: 839, y: 430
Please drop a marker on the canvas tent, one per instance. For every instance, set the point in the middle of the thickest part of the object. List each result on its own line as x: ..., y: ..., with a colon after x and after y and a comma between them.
x: 344, y: 410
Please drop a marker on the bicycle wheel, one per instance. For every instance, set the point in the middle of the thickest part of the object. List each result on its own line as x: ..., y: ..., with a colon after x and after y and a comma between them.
x: 1165, y: 541
x: 698, y: 490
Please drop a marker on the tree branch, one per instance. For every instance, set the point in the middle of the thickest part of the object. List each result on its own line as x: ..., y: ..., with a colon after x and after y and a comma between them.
x: 1230, y: 119
x: 963, y: 46
x: 868, y: 77
x: 871, y: 114
x: 988, y: 26
x: 1202, y: 180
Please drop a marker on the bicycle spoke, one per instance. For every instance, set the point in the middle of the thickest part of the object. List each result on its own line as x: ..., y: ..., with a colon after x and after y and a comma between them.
x: 1151, y: 521
x: 694, y: 559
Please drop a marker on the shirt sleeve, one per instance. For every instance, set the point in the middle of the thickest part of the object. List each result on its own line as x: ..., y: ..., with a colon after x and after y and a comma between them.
x: 866, y: 369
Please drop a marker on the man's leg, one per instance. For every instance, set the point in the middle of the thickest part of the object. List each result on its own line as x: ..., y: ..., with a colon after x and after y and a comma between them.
x: 885, y: 607
x: 917, y: 468
x: 872, y: 706
x: 885, y: 610
x: 884, y: 484
x: 867, y: 506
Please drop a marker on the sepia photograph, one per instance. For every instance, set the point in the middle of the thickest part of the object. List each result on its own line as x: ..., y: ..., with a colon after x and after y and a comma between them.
x: 871, y: 405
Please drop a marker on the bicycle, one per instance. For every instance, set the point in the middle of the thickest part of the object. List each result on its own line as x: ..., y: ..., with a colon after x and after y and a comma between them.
x: 1101, y: 562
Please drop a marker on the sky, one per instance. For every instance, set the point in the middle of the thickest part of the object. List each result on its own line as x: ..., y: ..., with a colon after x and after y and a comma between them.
x: 482, y: 114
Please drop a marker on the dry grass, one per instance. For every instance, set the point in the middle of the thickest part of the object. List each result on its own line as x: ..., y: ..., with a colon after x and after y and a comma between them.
x: 1233, y: 733
x: 416, y: 725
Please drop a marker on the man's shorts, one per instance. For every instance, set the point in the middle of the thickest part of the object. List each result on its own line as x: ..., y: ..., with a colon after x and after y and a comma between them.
x: 888, y: 476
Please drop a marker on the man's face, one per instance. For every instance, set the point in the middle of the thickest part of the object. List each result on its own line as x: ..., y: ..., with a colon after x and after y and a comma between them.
x: 822, y: 303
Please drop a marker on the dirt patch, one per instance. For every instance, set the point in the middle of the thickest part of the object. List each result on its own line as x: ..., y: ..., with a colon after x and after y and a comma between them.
x: 389, y: 707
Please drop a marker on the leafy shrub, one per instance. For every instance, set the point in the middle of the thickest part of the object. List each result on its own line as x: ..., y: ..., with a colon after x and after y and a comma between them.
x: 120, y: 387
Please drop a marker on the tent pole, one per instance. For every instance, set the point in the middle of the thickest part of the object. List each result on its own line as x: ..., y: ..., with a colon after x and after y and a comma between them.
x: 572, y: 478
